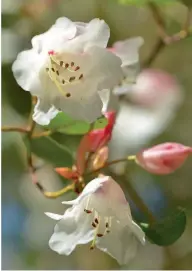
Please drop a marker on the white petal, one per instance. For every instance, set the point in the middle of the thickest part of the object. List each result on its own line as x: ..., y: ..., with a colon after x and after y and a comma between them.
x: 55, y: 38
x: 98, y: 33
x: 120, y: 243
x: 127, y: 50
x: 54, y: 216
x: 44, y: 112
x: 110, y: 101
x: 73, y: 229
x: 106, y: 66
x: 25, y: 69
x: 87, y: 109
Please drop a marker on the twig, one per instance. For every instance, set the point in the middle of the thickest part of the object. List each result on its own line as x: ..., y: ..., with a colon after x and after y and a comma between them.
x: 14, y: 129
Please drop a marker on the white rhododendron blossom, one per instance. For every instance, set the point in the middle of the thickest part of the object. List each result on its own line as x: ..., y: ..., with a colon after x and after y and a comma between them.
x: 67, y: 68
x: 100, y: 215
x: 128, y: 51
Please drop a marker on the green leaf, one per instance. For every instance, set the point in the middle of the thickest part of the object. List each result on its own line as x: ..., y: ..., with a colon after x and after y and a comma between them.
x: 167, y: 231
x: 188, y: 3
x: 64, y: 124
x: 48, y: 149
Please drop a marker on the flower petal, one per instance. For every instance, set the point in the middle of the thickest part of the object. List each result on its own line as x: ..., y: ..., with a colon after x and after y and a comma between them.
x: 73, y: 229
x: 54, y: 216
x: 127, y: 50
x: 87, y: 109
x: 120, y: 243
x: 25, y: 69
x: 62, y: 31
x: 44, y: 112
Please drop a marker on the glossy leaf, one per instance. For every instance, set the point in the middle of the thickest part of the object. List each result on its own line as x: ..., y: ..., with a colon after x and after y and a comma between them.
x: 50, y: 150
x: 64, y: 124
x: 167, y: 231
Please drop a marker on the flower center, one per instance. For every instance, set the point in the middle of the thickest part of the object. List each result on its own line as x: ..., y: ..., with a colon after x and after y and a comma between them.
x: 97, y: 223
x: 62, y: 73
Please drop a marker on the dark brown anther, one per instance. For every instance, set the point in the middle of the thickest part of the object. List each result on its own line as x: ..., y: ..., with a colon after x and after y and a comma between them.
x: 93, y: 224
x: 96, y: 220
x: 108, y: 231
x: 72, y: 64
x: 107, y: 225
x: 87, y: 211
x: 71, y: 78
x: 57, y: 72
x: 99, y: 235
x: 61, y: 63
x: 81, y: 76
x: 66, y: 65
x: 69, y: 95
x: 53, y: 69
x: 91, y: 248
x: 63, y: 81
x: 77, y: 68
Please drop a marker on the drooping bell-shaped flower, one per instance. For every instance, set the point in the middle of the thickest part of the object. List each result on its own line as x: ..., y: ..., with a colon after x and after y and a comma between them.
x: 100, y: 215
x: 163, y: 158
x: 67, y: 67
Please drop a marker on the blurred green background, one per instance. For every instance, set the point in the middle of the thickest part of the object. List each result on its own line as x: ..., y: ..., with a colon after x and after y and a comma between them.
x: 25, y: 228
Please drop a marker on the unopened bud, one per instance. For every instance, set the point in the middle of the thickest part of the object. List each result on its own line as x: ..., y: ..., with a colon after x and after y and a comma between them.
x: 100, y: 158
x: 67, y: 173
x: 163, y: 158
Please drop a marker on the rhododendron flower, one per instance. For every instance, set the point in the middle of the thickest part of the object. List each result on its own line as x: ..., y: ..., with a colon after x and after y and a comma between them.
x: 94, y: 140
x: 67, y: 68
x: 100, y: 214
x: 128, y: 51
x: 163, y: 158
x: 152, y: 105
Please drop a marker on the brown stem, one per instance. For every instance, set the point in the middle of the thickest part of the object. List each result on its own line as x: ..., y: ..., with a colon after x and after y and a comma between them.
x: 156, y: 50
x: 14, y: 129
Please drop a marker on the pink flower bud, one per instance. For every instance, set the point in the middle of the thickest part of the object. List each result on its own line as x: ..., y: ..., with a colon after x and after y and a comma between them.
x: 163, y: 158
x: 100, y: 158
x: 67, y: 173
x: 94, y: 140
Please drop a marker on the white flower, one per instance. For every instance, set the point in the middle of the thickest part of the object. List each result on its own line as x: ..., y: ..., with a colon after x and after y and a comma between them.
x: 66, y: 68
x: 128, y: 51
x: 101, y: 214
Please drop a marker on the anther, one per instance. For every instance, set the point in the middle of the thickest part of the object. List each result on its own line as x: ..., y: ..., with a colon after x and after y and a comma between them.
x: 63, y: 81
x: 66, y: 65
x: 61, y: 63
x: 96, y: 220
x: 87, y: 211
x: 71, y: 78
x: 69, y: 95
x: 92, y: 247
x: 99, y: 235
x: 81, y: 76
x: 57, y: 72
x: 93, y: 224
x: 108, y: 231
x: 53, y: 69
x: 72, y: 64
x: 77, y: 68
x: 107, y: 225
x: 47, y: 69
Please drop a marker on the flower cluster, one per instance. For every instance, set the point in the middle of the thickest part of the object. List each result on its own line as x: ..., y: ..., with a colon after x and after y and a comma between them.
x: 70, y: 69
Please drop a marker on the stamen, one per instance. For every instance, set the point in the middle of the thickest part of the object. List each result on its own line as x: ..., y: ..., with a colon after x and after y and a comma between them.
x: 87, y: 211
x: 99, y: 235
x: 96, y: 234
x: 71, y: 78
x: 77, y: 68
x: 53, y: 69
x: 57, y: 72
x: 72, y: 64
x: 68, y: 95
x: 66, y: 65
x: 96, y: 220
x: 61, y: 63
x: 93, y: 224
x: 63, y: 81
x: 81, y: 76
